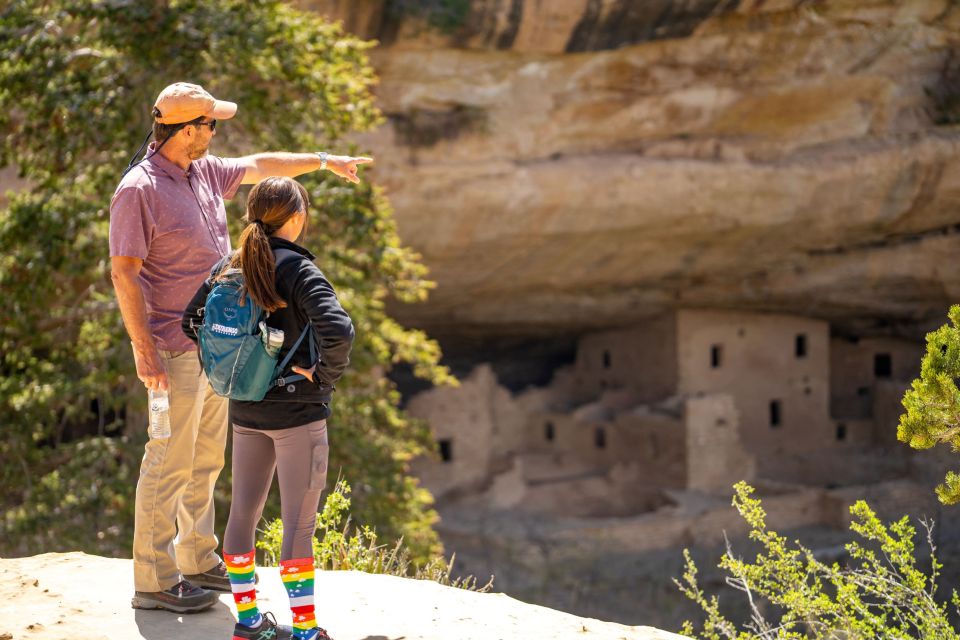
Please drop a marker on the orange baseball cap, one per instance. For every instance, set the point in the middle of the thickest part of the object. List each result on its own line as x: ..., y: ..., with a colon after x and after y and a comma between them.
x: 183, y: 102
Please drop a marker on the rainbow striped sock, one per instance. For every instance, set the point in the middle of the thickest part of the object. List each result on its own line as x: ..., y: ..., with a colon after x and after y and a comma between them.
x: 241, y: 570
x: 297, y: 576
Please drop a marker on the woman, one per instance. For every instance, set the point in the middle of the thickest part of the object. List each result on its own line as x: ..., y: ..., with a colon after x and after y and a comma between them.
x: 287, y: 430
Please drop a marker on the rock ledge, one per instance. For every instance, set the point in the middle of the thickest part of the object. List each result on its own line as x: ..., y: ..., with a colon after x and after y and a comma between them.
x: 83, y: 597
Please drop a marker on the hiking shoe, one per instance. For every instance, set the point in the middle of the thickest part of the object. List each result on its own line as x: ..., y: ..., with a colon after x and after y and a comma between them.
x: 267, y: 630
x: 322, y: 635
x: 215, y: 578
x: 182, y: 597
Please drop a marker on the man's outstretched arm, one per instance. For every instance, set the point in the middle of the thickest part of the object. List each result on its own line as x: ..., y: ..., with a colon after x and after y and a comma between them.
x: 291, y: 165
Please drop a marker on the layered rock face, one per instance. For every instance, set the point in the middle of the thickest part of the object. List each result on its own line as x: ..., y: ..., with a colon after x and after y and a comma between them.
x: 578, y: 164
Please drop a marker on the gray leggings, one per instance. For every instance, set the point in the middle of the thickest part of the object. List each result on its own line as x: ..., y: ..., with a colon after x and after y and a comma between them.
x: 299, y: 455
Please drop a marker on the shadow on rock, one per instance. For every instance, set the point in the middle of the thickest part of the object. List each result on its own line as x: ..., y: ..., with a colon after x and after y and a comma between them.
x: 215, y: 622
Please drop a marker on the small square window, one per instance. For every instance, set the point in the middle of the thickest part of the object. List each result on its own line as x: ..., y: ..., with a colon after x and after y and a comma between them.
x: 607, y: 359
x: 841, y: 432
x: 882, y: 365
x: 548, y: 432
x: 800, y: 346
x: 776, y: 413
x: 600, y: 438
x: 446, y: 450
x: 716, y: 356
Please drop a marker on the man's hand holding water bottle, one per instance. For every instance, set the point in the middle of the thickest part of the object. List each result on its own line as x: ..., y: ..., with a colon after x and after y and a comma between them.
x: 150, y: 368
x: 153, y: 374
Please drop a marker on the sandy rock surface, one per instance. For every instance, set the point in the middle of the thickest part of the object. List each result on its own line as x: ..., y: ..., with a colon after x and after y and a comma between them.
x: 75, y: 596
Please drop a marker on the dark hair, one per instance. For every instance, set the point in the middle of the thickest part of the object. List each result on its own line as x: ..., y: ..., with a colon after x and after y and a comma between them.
x: 163, y: 131
x: 271, y: 203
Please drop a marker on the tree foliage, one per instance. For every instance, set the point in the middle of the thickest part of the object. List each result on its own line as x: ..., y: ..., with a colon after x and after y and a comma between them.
x: 77, y: 81
x: 933, y: 402
x: 880, y: 593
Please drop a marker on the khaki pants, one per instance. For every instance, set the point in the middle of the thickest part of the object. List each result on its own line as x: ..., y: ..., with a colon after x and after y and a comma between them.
x: 173, y: 525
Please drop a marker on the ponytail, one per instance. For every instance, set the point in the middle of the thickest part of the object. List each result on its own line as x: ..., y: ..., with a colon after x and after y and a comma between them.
x: 256, y: 262
x: 270, y: 204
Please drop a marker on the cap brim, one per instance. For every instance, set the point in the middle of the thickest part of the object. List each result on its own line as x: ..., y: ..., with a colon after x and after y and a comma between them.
x: 223, y: 110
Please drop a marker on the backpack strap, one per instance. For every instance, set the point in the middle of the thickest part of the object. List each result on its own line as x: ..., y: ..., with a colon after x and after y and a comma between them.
x: 283, y: 380
x: 196, y: 327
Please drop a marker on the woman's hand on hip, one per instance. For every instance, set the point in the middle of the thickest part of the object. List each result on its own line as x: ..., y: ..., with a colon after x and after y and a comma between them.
x: 306, y: 373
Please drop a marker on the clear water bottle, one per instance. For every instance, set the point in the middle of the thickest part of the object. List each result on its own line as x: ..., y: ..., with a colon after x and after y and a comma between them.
x: 272, y: 339
x: 159, y: 414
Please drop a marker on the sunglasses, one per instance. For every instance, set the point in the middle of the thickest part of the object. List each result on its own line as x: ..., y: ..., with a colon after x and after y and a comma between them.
x: 212, y: 124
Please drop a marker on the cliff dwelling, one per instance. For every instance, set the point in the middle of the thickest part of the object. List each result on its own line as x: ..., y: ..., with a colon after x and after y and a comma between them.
x: 693, y: 400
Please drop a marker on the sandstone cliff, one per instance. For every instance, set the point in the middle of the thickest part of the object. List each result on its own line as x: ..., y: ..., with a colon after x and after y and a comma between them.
x: 583, y: 163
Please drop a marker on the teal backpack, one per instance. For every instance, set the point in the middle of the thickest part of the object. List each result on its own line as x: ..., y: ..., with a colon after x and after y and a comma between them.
x: 232, y: 351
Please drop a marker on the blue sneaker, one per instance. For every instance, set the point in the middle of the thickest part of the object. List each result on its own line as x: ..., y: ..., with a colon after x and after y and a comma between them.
x: 268, y: 629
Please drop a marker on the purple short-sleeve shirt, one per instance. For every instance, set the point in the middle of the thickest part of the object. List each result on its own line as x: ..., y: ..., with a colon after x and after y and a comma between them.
x: 175, y: 221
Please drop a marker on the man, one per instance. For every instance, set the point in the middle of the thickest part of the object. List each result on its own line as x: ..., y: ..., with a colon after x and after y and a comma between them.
x: 168, y: 227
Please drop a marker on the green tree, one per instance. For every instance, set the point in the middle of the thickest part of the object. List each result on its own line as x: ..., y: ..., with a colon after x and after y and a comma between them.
x: 879, y: 593
x: 933, y: 401
x: 77, y: 80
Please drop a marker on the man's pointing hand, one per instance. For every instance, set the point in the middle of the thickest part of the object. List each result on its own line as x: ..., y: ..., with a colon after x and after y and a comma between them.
x: 346, y: 166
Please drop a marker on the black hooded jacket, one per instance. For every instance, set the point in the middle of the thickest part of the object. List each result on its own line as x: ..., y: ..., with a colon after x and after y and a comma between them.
x: 310, y: 298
